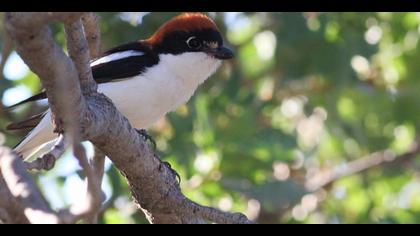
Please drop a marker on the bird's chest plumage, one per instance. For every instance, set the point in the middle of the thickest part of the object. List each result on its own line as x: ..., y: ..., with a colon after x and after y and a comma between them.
x: 145, y: 98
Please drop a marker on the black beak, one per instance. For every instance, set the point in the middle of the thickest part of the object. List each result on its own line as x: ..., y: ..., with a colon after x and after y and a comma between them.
x: 222, y: 53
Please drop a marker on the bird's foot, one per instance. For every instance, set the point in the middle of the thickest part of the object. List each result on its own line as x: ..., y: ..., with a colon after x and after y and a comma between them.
x: 172, y: 170
x: 46, y: 162
x: 146, y: 137
x: 143, y: 133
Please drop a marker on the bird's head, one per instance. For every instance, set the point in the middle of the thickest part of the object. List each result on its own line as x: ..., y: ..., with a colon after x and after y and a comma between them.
x: 190, y: 32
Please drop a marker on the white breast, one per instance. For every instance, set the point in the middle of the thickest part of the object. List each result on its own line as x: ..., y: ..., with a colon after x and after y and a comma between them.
x: 146, y: 98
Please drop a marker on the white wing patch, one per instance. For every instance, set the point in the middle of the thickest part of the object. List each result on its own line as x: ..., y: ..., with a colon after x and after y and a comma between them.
x: 116, y: 56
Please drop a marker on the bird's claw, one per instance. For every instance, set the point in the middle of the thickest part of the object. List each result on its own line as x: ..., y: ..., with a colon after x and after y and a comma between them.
x: 143, y: 133
x: 146, y: 137
x: 172, y: 170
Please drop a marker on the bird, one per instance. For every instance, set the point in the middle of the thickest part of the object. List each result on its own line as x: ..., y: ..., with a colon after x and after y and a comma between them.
x: 145, y: 79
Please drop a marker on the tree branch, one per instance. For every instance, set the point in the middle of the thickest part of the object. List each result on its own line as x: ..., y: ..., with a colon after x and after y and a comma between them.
x: 5, y: 52
x: 93, y: 35
x: 98, y: 167
x: 79, y: 53
x: 22, y: 187
x: 64, y: 95
x: 85, y: 209
x: 11, y: 211
x: 216, y: 215
x: 323, y: 178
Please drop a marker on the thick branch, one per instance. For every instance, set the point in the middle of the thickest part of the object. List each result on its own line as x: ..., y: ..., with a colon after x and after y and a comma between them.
x: 12, y: 211
x: 215, y: 215
x: 23, y: 188
x: 152, y: 183
x: 60, y: 79
x: 28, y: 23
x: 5, y: 52
x: 79, y: 53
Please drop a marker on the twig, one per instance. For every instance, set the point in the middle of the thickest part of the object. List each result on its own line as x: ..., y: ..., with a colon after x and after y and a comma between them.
x: 98, y: 167
x: 89, y: 208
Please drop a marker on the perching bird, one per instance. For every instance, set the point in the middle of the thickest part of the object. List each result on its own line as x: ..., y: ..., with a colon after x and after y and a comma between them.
x: 145, y: 79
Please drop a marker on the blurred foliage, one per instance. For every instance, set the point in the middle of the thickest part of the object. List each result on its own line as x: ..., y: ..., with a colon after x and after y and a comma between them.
x: 306, y: 92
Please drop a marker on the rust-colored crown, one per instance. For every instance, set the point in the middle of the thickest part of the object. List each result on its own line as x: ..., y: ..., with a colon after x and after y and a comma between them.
x: 185, y: 22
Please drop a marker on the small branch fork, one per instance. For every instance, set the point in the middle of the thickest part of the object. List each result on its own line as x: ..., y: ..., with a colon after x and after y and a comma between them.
x: 80, y: 113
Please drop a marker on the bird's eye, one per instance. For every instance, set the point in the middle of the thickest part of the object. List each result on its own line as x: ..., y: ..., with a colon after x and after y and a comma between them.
x: 193, y: 43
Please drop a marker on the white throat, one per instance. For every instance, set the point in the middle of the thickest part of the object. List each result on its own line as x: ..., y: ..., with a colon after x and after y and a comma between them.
x: 192, y: 67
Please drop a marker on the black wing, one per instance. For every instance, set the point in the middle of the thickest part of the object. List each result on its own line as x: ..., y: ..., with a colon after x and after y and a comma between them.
x: 124, y: 67
x: 106, y: 72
